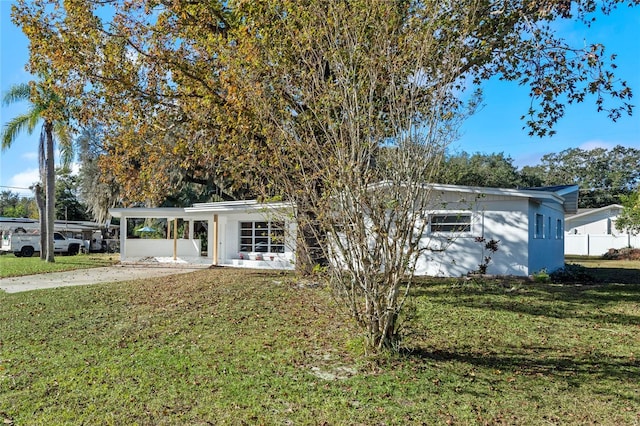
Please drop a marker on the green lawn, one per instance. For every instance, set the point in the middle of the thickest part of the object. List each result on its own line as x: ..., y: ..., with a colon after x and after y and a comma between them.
x: 616, y: 271
x: 237, y: 347
x: 11, y: 266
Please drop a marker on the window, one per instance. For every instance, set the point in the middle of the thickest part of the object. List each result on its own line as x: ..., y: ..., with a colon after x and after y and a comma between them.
x: 549, y: 228
x: 262, y: 237
x: 559, y: 231
x: 539, y: 225
x: 452, y: 222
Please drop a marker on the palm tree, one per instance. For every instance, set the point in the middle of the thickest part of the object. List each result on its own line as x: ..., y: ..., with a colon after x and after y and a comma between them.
x: 46, y: 103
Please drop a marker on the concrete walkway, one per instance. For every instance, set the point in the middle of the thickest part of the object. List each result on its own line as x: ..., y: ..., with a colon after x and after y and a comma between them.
x: 106, y: 274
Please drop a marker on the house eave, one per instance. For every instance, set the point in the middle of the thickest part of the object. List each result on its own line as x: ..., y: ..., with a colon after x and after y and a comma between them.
x: 199, y: 209
x: 244, y: 206
x: 593, y: 211
x: 566, y: 195
x: 157, y: 212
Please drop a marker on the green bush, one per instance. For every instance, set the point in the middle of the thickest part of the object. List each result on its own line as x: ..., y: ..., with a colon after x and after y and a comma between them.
x: 571, y: 272
x: 541, y: 276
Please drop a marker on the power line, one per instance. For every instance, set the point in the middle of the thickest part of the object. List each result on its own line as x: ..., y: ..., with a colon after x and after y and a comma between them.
x: 29, y: 189
x: 14, y: 187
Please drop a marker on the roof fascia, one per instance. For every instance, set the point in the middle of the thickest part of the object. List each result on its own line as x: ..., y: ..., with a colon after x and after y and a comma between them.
x: 590, y: 212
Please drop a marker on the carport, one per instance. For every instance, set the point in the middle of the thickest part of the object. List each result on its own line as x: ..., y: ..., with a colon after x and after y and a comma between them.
x: 182, y: 245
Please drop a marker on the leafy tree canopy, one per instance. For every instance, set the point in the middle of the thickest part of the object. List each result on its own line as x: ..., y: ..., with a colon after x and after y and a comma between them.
x: 629, y: 219
x: 68, y: 207
x: 604, y: 175
x: 15, y: 205
x: 485, y: 170
x: 160, y: 77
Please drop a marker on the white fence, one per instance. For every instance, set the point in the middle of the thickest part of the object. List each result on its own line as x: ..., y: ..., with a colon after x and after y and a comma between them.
x: 598, y: 244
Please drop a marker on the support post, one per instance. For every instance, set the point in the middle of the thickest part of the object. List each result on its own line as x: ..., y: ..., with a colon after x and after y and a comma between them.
x: 215, y: 240
x: 123, y: 238
x: 175, y: 238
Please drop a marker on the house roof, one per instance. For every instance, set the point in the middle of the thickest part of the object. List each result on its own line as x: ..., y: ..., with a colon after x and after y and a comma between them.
x: 568, y: 192
x: 567, y: 195
x: 582, y: 213
x: 153, y: 212
x: 199, y: 210
x: 236, y: 206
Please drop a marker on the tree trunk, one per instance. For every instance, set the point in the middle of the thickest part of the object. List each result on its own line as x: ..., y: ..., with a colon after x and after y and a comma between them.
x: 43, y: 220
x: 50, y: 196
x: 309, y: 249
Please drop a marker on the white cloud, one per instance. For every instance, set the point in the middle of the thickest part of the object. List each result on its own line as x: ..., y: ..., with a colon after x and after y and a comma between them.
x: 24, y: 180
x: 31, y: 156
x: 529, y: 159
x: 589, y: 145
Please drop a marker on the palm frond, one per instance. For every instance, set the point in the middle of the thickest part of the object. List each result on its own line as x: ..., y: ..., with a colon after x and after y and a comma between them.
x: 16, y: 126
x: 35, y: 117
x: 17, y: 93
x: 65, y: 143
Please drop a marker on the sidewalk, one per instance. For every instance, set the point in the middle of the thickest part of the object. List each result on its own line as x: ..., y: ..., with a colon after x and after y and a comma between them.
x: 90, y: 276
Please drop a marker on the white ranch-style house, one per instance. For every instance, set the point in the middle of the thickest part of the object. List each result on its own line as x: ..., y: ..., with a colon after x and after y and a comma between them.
x: 529, y: 223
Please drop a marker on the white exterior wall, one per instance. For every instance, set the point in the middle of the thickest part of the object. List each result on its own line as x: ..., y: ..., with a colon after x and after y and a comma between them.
x: 156, y: 247
x: 228, y: 236
x: 600, y: 226
x: 597, y: 222
x: 494, y: 217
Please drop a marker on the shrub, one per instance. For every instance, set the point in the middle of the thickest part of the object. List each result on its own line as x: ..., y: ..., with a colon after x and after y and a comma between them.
x: 541, y: 276
x: 571, y: 273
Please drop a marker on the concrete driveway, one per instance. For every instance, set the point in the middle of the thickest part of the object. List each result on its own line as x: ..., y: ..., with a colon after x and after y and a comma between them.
x: 106, y: 274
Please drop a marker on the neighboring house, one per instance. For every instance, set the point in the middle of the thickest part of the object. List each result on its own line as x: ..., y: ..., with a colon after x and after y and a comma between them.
x: 592, y: 232
x: 594, y: 221
x: 528, y: 222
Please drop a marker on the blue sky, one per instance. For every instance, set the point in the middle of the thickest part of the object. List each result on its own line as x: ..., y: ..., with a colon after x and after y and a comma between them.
x: 495, y: 128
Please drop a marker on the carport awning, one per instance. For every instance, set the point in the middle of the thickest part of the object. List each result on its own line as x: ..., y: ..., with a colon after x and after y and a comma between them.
x: 160, y: 212
x: 198, y: 211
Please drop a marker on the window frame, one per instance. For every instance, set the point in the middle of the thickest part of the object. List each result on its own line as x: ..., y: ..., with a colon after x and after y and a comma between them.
x: 265, y: 236
x: 538, y: 231
x: 559, y: 229
x: 464, y: 227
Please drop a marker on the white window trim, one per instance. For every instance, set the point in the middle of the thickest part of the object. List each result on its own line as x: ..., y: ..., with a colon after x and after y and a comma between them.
x: 452, y: 213
x: 538, y: 231
x: 271, y: 225
x: 559, y: 229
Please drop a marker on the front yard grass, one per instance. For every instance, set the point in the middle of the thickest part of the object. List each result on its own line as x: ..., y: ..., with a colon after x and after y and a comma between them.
x: 235, y: 347
x: 11, y: 266
x: 609, y: 271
